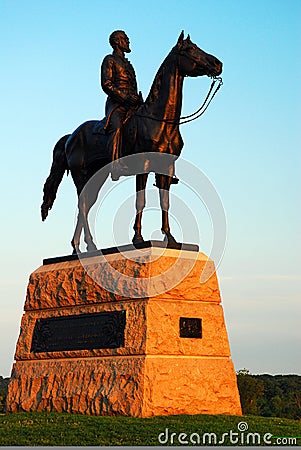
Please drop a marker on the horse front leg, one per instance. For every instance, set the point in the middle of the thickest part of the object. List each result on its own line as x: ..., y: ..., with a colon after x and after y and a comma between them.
x: 164, y: 182
x: 88, y: 199
x: 140, y: 204
x: 91, y: 247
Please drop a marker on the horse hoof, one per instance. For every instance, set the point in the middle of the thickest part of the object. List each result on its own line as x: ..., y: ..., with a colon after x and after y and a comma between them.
x: 168, y: 237
x: 137, y: 239
x: 91, y: 247
x: 75, y: 247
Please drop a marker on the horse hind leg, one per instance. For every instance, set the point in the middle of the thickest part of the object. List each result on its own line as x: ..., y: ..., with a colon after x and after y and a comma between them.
x: 79, y: 177
x: 85, y: 208
x: 79, y: 184
x: 86, y: 200
x: 77, y: 234
x: 82, y: 224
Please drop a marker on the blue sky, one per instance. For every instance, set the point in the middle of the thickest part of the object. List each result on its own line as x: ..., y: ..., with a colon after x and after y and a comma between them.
x: 247, y: 144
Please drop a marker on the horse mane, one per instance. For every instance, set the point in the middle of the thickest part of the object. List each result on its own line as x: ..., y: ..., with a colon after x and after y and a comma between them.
x: 156, y: 85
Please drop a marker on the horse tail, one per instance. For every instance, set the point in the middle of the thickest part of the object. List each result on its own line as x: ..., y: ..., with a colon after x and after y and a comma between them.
x: 58, y: 167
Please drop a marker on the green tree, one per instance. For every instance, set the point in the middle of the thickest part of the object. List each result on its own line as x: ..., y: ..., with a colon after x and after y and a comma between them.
x: 277, y: 405
x: 270, y: 395
x: 3, y: 392
x: 250, y: 390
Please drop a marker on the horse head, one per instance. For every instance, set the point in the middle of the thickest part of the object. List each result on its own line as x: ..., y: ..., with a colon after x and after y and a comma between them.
x: 194, y: 62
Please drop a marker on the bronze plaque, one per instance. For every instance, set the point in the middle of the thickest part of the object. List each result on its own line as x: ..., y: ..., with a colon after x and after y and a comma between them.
x: 190, y: 327
x: 79, y: 332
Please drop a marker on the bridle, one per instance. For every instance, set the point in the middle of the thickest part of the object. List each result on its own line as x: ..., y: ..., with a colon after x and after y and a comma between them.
x: 186, y: 119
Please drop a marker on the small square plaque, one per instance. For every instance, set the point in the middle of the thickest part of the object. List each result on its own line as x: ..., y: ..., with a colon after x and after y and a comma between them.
x: 190, y: 327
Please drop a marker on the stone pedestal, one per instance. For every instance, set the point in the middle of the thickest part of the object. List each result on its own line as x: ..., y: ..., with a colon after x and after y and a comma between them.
x: 149, y: 341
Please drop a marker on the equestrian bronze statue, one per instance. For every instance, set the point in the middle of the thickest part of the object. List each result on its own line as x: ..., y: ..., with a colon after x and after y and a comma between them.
x: 145, y: 131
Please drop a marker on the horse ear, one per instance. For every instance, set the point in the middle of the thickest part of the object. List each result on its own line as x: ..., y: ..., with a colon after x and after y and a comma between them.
x: 188, y: 38
x: 181, y: 38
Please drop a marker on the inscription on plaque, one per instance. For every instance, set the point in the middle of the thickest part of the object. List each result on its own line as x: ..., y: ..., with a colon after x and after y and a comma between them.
x: 190, y: 327
x: 79, y: 332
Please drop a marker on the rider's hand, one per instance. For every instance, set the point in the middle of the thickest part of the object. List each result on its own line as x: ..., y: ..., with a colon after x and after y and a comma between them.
x: 133, y: 100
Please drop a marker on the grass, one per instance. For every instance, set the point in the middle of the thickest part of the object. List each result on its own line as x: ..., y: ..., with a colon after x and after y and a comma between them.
x: 55, y: 429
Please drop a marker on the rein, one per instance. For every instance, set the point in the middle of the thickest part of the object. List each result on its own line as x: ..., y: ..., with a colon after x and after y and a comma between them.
x: 199, y: 112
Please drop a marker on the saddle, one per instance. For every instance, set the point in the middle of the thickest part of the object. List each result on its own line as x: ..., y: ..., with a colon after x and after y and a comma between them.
x: 100, y: 126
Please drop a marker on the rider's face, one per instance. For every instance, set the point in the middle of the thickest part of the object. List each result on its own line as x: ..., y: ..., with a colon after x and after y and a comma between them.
x: 124, y: 43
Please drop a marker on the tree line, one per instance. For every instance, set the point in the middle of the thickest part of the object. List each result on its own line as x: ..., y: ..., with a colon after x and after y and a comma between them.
x: 270, y: 395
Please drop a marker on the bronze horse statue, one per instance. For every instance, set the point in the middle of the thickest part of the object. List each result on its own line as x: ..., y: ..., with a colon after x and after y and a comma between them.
x: 151, y: 130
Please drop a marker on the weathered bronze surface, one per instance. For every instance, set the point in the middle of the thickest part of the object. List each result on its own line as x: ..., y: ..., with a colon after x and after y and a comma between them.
x: 118, y: 80
x: 190, y: 327
x: 79, y: 332
x: 148, y: 129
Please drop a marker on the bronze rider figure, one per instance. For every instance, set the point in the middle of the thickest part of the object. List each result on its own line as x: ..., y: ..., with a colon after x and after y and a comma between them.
x: 118, y: 80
